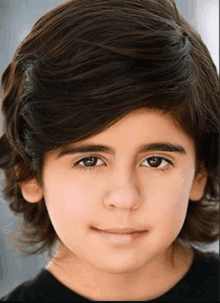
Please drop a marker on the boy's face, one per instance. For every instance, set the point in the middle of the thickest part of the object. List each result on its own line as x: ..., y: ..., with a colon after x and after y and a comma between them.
x: 121, y: 190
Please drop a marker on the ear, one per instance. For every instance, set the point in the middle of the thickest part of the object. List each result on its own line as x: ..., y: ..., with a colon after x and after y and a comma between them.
x: 199, y: 183
x: 31, y: 191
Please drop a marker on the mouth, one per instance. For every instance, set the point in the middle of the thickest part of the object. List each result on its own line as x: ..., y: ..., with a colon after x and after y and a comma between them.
x: 120, y: 231
x: 122, y: 238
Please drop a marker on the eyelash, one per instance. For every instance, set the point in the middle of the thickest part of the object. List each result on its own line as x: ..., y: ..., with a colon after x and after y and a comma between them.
x: 81, y: 167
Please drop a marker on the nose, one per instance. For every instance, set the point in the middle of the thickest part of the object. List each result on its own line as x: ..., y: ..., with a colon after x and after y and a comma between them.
x: 124, y: 193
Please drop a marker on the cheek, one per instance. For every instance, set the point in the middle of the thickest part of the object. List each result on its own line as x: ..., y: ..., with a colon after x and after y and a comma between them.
x: 170, y: 200
x: 68, y: 200
x: 70, y: 207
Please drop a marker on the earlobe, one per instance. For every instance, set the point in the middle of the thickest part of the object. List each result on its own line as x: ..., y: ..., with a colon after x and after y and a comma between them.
x: 31, y: 191
x: 198, y: 186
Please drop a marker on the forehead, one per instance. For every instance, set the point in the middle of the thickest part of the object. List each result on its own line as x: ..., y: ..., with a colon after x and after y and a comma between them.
x: 144, y: 123
x: 139, y: 131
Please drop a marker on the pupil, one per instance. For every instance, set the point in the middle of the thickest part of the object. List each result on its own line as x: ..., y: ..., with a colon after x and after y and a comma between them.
x: 154, y: 162
x: 90, y: 161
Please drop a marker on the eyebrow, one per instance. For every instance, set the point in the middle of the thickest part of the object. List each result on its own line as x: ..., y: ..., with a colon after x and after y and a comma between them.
x: 169, y: 147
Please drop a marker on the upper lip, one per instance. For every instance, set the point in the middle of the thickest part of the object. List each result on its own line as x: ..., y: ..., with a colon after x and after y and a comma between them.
x: 125, y: 230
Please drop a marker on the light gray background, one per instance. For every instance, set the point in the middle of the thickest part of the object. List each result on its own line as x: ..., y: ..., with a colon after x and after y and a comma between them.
x: 16, y: 19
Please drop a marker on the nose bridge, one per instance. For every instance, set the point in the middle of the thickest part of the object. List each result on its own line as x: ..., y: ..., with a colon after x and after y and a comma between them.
x: 124, y: 173
x: 123, y: 191
x: 124, y: 179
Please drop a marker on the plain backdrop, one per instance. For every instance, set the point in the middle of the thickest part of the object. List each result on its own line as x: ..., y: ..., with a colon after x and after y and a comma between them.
x: 16, y: 19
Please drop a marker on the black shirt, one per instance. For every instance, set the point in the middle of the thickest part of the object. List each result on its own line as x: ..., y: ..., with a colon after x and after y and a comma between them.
x: 201, y: 283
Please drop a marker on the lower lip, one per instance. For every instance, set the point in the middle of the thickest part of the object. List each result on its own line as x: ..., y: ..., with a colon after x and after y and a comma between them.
x: 119, y: 238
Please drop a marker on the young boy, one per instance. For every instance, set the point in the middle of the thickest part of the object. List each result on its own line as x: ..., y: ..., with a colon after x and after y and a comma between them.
x: 110, y: 149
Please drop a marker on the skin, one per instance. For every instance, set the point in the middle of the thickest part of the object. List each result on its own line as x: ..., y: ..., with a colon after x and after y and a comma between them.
x: 121, y: 191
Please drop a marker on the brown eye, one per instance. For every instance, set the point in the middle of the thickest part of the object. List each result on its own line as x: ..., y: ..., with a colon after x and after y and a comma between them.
x: 155, y: 161
x: 90, y: 161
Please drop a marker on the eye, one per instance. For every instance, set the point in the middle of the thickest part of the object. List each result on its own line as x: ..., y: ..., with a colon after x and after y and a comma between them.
x: 155, y: 161
x: 90, y: 160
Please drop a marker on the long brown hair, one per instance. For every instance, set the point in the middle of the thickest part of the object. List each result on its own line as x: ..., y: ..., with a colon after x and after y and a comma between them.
x: 85, y: 65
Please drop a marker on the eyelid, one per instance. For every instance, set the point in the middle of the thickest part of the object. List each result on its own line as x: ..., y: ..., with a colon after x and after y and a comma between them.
x: 87, y: 156
x: 169, y: 160
x: 160, y: 155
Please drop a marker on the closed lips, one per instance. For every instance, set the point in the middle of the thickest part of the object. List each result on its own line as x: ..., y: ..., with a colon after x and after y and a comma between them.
x: 115, y: 231
x: 134, y: 232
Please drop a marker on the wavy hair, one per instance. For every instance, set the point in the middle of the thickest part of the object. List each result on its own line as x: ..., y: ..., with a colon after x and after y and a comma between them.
x: 84, y: 66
